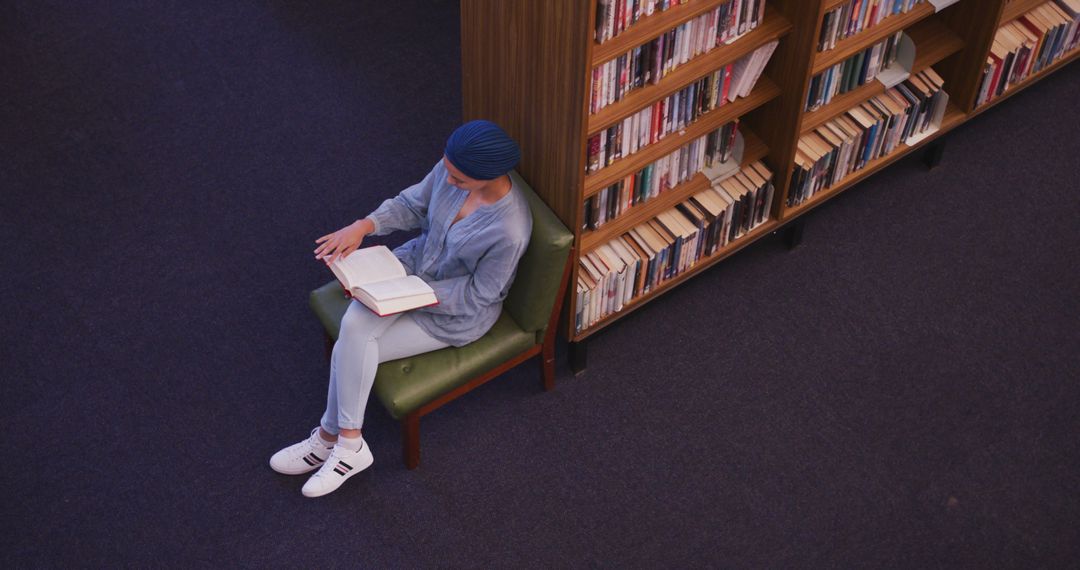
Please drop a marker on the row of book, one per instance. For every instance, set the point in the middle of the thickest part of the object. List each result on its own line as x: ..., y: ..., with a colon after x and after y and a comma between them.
x: 1028, y: 44
x: 854, y: 16
x: 869, y: 130
x: 660, y: 176
x: 664, y: 117
x: 649, y: 254
x: 614, y: 17
x: 853, y: 72
x: 678, y: 110
x: 648, y: 63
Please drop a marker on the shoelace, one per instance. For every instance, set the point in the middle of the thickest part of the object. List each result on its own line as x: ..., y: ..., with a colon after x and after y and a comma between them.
x: 314, y: 445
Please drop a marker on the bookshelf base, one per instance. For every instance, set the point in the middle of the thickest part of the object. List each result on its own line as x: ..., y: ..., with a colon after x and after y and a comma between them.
x: 578, y: 350
x: 763, y: 229
x: 793, y: 233
x: 934, y: 153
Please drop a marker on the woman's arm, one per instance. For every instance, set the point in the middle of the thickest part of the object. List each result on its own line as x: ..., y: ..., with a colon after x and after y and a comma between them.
x: 344, y: 241
x: 407, y: 210
x: 467, y: 294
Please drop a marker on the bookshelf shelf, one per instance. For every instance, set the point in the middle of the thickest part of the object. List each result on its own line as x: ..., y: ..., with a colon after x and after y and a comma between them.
x: 953, y: 117
x: 753, y: 151
x: 643, y: 212
x: 528, y: 65
x: 648, y: 28
x: 1014, y: 89
x: 762, y: 92
x: 933, y: 43
x: 773, y: 27
x: 851, y: 45
x: 763, y: 229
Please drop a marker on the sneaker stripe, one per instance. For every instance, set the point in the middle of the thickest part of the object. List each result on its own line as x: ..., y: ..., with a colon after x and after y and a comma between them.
x: 308, y: 461
x: 315, y: 458
x: 342, y: 468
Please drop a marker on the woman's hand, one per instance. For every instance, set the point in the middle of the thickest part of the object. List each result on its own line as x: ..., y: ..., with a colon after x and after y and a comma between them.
x: 344, y: 241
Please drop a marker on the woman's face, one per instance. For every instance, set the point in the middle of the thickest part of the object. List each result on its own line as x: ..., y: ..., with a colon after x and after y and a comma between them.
x: 458, y: 179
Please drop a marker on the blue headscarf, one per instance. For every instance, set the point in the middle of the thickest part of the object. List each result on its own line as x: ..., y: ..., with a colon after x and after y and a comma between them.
x: 482, y: 150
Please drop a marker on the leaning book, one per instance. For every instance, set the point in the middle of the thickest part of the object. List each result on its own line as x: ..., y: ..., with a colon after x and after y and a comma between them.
x: 377, y: 279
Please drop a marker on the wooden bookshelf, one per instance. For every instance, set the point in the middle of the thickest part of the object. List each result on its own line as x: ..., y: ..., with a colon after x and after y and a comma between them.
x: 527, y: 64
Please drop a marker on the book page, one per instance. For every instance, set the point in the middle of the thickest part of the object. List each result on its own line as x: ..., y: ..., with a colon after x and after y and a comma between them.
x: 397, y: 288
x: 367, y: 265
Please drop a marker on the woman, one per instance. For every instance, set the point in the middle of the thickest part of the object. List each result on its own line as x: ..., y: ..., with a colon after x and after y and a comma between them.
x: 474, y: 226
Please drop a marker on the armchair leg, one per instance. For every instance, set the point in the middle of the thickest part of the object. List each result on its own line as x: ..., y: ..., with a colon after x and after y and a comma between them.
x: 410, y: 439
x: 547, y: 365
x: 328, y: 344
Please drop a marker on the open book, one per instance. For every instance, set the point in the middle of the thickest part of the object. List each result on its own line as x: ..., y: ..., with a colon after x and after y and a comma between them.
x: 377, y: 279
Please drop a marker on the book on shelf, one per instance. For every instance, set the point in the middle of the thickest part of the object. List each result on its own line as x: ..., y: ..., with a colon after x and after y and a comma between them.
x: 747, y: 70
x: 720, y: 169
x: 1028, y: 44
x: 853, y: 72
x: 648, y: 63
x: 374, y: 277
x: 854, y: 16
x: 672, y: 242
x: 678, y: 110
x: 614, y: 17
x: 649, y: 125
x: 720, y: 147
x: 904, y: 114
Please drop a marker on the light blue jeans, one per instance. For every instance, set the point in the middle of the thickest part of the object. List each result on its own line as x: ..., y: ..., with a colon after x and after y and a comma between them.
x: 367, y: 339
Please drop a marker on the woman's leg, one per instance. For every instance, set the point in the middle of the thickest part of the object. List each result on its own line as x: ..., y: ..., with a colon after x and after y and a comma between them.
x: 365, y: 341
x: 353, y: 363
x: 405, y: 338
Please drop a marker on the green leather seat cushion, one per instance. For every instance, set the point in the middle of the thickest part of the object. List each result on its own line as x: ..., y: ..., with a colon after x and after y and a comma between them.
x: 406, y: 384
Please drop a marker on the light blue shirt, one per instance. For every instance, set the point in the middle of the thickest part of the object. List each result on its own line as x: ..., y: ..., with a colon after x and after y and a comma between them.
x: 470, y: 264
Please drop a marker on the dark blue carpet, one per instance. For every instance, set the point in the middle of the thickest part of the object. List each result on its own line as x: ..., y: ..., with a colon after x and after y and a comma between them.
x: 900, y: 391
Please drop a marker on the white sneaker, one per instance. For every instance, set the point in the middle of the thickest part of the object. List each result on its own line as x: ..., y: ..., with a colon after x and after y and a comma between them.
x: 342, y: 464
x: 302, y: 457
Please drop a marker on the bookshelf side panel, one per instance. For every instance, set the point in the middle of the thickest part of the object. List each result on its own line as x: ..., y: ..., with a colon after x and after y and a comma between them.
x: 524, y: 65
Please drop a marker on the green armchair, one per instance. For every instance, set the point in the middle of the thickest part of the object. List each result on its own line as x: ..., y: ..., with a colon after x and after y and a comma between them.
x: 413, y: 387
